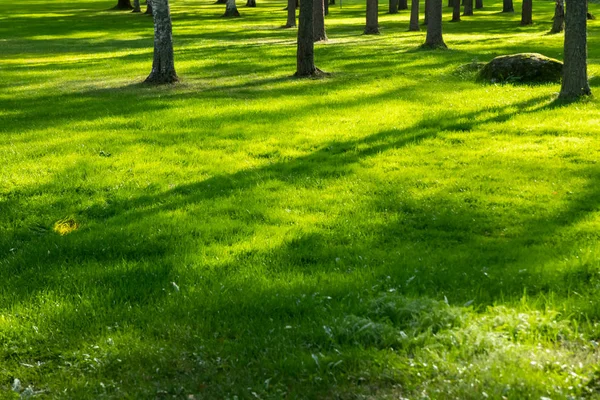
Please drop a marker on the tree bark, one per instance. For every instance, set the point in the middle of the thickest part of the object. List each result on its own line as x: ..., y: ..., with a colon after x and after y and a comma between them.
x: 136, y: 6
x: 123, y: 5
x: 163, y: 65
x: 468, y: 8
x: 507, y: 6
x: 291, y: 14
x: 478, y: 4
x: 450, y: 3
x: 149, y: 7
x: 305, y: 54
x: 372, y: 27
x: 527, y: 13
x: 414, y: 16
x: 318, y: 22
x: 434, y: 37
x: 332, y: 2
x: 251, y: 3
x: 456, y: 11
x: 558, y: 24
x: 326, y: 6
x: 426, y: 16
x: 403, y: 5
x: 231, y: 9
x: 393, y: 9
x: 575, y: 82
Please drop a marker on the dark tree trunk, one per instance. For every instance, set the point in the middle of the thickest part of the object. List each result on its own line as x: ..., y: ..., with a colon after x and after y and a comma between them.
x: 123, y: 5
x: 163, y: 65
x: 372, y: 27
x: 434, y: 38
x: 456, y: 11
x: 403, y: 5
x: 527, y: 13
x: 332, y: 2
x: 305, y: 55
x: 559, y: 17
x: 478, y: 4
x: 414, y: 16
x: 468, y: 8
x: 318, y: 22
x: 575, y: 82
x: 136, y: 6
x: 221, y: 2
x: 426, y: 16
x: 393, y: 7
x: 251, y: 3
x: 231, y: 9
x: 450, y: 3
x: 326, y: 5
x: 149, y: 7
x: 291, y: 14
x: 507, y: 6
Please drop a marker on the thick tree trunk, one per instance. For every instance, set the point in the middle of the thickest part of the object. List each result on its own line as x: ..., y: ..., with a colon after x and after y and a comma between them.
x: 507, y: 6
x: 434, y: 38
x: 326, y: 5
x: 426, y: 16
x: 414, y: 16
x: 403, y: 5
x: 318, y: 23
x: 393, y: 8
x: 372, y: 27
x: 149, y: 7
x: 291, y: 14
x: 305, y: 55
x: 527, y: 13
x: 251, y: 3
x: 468, y: 8
x: 478, y: 4
x: 559, y: 17
x: 575, y: 82
x: 456, y: 11
x: 136, y: 6
x: 123, y: 5
x: 163, y: 65
x: 231, y: 9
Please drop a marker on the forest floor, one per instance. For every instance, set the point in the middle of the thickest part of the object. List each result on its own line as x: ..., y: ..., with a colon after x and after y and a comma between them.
x: 394, y: 230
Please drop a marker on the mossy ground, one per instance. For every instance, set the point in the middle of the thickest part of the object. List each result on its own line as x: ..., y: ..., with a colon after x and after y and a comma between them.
x: 393, y: 229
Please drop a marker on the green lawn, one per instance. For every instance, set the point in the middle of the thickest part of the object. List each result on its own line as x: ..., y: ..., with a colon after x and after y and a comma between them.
x: 392, y: 230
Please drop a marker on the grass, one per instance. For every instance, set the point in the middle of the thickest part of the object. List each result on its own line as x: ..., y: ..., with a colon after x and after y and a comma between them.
x: 392, y: 230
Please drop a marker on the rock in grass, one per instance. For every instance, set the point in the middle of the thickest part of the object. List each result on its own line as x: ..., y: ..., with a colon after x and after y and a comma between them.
x: 522, y: 68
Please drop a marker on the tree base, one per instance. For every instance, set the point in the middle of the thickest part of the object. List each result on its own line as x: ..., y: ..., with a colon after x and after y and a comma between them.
x: 590, y: 16
x: 231, y: 14
x: 526, y: 23
x: 320, y: 39
x: 468, y: 14
x: 414, y: 28
x: 371, y: 31
x: 122, y: 8
x: 455, y: 20
x: 287, y: 26
x: 136, y: 10
x: 316, y: 73
x: 155, y: 79
x: 434, y: 46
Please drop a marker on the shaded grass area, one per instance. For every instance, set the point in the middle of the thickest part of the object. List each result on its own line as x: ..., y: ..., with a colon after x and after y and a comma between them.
x: 391, y: 230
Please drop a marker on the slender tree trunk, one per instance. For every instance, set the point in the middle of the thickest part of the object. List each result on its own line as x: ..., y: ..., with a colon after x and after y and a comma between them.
x: 305, y: 55
x: 318, y: 22
x: 136, y: 6
x: 291, y: 14
x: 434, y: 37
x: 468, y: 8
x: 527, y: 13
x: 123, y: 5
x: 426, y: 16
x: 372, y: 27
x: 558, y: 24
x: 450, y: 3
x: 478, y: 4
x: 163, y: 65
x: 403, y: 5
x: 332, y: 2
x: 251, y: 3
x: 326, y: 5
x: 231, y: 9
x: 414, y: 16
x: 149, y: 7
x: 393, y: 9
x: 575, y: 82
x: 507, y: 6
x: 456, y: 11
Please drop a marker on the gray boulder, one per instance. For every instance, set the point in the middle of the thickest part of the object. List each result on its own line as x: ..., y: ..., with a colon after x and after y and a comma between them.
x: 522, y: 68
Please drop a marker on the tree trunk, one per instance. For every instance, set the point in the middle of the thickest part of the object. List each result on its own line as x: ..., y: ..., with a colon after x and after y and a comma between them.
x: 291, y: 14
x: 450, y: 3
x: 221, y: 2
x: 403, y: 5
x: 231, y: 9
x: 318, y: 22
x: 332, y: 2
x: 434, y: 38
x: 575, y: 82
x: 426, y: 16
x: 149, y: 7
x: 372, y: 27
x: 123, y: 5
x: 251, y: 3
x: 527, y: 13
x: 326, y: 5
x: 414, y: 16
x: 507, y: 6
x: 305, y: 55
x: 478, y: 4
x: 456, y: 11
x: 559, y: 17
x: 393, y: 7
x: 136, y: 6
x: 468, y: 8
x: 163, y: 65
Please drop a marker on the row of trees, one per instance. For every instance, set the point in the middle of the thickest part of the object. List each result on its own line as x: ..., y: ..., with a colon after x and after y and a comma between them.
x: 311, y: 28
